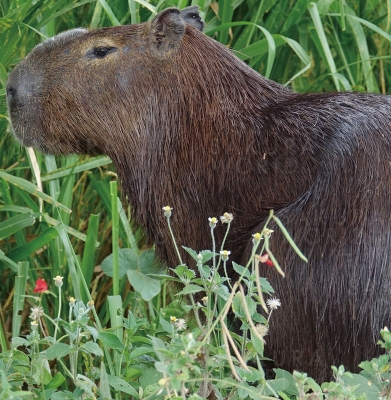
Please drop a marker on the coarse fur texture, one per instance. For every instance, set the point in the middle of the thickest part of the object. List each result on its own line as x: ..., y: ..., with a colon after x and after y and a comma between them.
x: 187, y: 124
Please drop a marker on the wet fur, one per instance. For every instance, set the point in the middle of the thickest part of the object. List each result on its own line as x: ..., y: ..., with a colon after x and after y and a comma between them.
x: 189, y: 125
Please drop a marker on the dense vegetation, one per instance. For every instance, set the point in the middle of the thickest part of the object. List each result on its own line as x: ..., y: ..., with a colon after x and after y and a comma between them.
x: 318, y: 46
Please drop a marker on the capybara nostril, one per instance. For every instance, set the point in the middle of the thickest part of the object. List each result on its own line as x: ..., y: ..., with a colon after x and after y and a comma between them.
x: 11, y: 92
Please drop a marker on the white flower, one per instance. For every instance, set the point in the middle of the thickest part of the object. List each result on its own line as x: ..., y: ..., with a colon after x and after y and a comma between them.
x: 262, y: 329
x: 34, y: 325
x: 90, y: 304
x: 256, y: 237
x: 212, y: 222
x: 36, y: 313
x: 225, y: 254
x: 72, y: 301
x: 167, y: 211
x: 226, y: 218
x: 58, y: 280
x: 273, y: 303
x: 180, y: 324
x: 267, y: 232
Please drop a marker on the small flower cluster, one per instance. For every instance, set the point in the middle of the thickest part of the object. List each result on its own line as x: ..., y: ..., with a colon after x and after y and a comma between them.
x: 225, y: 219
x: 179, y: 323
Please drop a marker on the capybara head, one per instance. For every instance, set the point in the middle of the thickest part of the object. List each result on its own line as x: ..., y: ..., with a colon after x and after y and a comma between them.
x: 78, y: 70
x: 188, y: 124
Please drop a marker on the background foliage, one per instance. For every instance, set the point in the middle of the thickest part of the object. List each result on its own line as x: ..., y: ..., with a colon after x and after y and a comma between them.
x: 325, y: 45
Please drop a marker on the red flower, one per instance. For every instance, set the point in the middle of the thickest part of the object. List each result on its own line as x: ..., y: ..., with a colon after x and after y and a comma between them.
x: 265, y: 259
x: 40, y: 286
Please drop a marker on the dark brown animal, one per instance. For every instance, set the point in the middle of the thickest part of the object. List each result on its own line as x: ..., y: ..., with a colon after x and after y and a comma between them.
x: 189, y: 125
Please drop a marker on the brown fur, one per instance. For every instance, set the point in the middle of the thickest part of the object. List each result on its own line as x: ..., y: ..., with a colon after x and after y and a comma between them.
x: 189, y: 125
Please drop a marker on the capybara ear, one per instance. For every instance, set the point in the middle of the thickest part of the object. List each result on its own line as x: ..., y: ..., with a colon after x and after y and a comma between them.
x: 167, y: 29
x: 191, y: 17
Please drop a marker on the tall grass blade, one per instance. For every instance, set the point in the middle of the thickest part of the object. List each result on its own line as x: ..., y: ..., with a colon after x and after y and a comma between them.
x: 114, y: 21
x: 87, y: 265
x: 115, y: 236
x: 7, y: 261
x: 32, y: 189
x: 323, y: 40
x: 364, y: 52
x: 128, y: 229
x: 43, y: 239
x: 148, y: 6
x: 80, y: 166
x: 134, y: 11
x: 226, y: 11
x: 19, y: 297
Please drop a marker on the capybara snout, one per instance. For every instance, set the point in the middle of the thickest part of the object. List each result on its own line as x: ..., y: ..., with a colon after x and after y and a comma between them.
x: 187, y: 124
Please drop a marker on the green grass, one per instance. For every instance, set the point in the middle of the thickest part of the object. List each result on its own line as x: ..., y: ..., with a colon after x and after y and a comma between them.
x: 312, y: 47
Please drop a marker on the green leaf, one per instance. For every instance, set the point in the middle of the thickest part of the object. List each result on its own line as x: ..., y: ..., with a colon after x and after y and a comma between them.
x: 123, y: 386
x: 129, y: 260
x: 363, y: 384
x: 111, y: 341
x: 183, y: 272
x: 257, y: 343
x: 191, y: 252
x: 16, y: 223
x: 139, y: 351
x: 92, y: 348
x: 190, y: 289
x: 22, y: 252
x: 32, y: 189
x: 143, y: 284
x: 104, y: 385
x: 58, y: 350
x: 166, y: 325
x: 240, y: 270
x: 81, y: 166
x: 56, y: 381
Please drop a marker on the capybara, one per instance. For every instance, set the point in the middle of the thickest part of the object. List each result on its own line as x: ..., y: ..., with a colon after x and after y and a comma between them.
x: 187, y: 124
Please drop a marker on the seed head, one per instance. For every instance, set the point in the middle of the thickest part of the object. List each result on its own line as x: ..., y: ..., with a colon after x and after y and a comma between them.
x: 267, y: 232
x: 262, y: 329
x: 256, y: 237
x: 180, y: 324
x: 212, y: 222
x: 58, y: 281
x: 167, y: 211
x: 226, y: 218
x: 273, y: 303
x: 225, y: 254
x: 36, y: 313
x: 34, y: 325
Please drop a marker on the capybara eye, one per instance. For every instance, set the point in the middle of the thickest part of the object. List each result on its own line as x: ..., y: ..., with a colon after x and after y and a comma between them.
x: 101, y: 52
